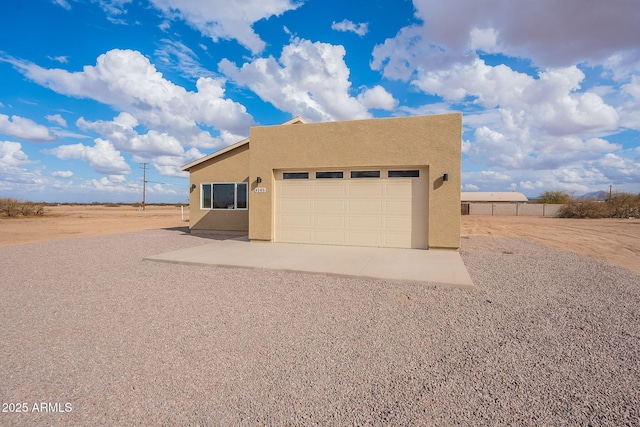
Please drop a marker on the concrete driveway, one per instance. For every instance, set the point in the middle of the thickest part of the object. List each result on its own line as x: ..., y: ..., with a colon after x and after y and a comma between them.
x: 413, y: 265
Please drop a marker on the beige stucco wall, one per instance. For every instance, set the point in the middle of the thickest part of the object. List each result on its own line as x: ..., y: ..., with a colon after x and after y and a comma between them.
x: 232, y: 166
x: 426, y: 141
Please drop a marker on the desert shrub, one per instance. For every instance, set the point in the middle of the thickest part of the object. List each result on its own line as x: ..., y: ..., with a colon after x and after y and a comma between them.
x: 585, y: 209
x: 619, y: 205
x: 10, y: 206
x: 27, y: 208
x: 624, y: 205
x: 554, y: 197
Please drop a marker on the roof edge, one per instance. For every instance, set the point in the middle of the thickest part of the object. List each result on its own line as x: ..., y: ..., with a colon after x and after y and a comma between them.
x: 294, y: 121
x: 215, y: 154
x: 188, y: 166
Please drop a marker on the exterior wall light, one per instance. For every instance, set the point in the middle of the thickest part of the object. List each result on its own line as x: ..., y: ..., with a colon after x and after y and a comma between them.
x: 445, y: 177
x: 259, y: 180
x: 193, y: 187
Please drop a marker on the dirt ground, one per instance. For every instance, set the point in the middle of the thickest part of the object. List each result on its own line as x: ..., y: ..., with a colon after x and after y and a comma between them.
x: 65, y: 222
x: 614, y: 240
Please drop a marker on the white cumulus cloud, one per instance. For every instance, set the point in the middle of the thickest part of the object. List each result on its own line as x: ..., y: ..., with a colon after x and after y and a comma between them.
x: 102, y: 156
x: 227, y: 20
x: 15, y: 175
x: 27, y: 129
x: 552, y: 34
x: 310, y: 80
x: 121, y: 133
x: 11, y: 154
x: 62, y: 174
x: 377, y: 97
x: 347, y: 26
x: 127, y: 81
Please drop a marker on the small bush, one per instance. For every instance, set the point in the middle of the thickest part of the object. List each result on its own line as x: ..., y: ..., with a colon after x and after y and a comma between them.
x: 26, y: 209
x: 11, y: 207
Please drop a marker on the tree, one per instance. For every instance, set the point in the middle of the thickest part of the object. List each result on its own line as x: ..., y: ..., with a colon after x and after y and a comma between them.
x: 554, y: 197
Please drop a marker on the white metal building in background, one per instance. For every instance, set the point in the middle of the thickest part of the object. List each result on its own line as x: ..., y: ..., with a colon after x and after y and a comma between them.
x: 503, y: 203
x: 492, y: 197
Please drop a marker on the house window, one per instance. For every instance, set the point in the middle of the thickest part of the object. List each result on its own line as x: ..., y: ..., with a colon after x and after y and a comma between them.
x: 322, y: 175
x: 365, y: 174
x: 414, y: 173
x: 224, y: 195
x: 295, y: 175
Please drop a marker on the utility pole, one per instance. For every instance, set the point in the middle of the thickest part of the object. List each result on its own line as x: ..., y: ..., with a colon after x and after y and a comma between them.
x: 610, y: 185
x: 144, y: 183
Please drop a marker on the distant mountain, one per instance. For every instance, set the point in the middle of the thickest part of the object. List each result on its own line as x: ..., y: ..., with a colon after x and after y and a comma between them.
x: 597, y: 195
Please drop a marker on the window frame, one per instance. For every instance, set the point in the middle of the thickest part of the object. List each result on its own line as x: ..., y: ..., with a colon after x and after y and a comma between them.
x: 359, y: 171
x: 339, y: 174
x: 289, y: 175
x: 235, y: 196
x: 403, y: 173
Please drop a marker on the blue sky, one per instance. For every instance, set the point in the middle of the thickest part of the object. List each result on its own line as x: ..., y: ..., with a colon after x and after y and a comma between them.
x: 91, y: 89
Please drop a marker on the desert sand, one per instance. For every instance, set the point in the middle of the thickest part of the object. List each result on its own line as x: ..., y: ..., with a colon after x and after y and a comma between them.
x: 613, y: 240
x: 70, y: 221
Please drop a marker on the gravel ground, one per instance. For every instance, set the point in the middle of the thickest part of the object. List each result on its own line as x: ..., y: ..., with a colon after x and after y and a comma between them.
x: 548, y: 338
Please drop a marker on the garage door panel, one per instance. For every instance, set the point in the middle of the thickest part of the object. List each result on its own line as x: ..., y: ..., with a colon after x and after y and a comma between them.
x: 300, y: 190
x: 398, y: 206
x: 295, y: 220
x: 400, y: 189
x: 329, y: 237
x: 398, y: 223
x: 365, y: 206
x: 372, y: 222
x: 329, y: 190
x: 365, y: 189
x: 329, y: 221
x: 291, y: 205
x: 329, y: 206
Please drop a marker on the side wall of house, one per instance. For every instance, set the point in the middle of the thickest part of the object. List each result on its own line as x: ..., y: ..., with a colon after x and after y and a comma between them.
x: 232, y: 166
x: 427, y: 141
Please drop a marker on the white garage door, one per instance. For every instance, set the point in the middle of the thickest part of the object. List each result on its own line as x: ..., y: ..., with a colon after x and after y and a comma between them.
x: 382, y: 207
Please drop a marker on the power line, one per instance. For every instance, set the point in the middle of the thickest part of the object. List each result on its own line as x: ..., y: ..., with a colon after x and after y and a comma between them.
x: 144, y: 183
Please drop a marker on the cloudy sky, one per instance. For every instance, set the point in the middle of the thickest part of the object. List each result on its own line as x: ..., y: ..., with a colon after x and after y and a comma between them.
x: 91, y: 89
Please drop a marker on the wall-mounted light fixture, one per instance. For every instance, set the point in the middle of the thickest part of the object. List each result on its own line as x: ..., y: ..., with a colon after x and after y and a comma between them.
x: 193, y: 187
x: 259, y: 180
x: 445, y: 177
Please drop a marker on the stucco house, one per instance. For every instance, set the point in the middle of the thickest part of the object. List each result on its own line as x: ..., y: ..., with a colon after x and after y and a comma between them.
x: 392, y: 182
